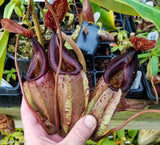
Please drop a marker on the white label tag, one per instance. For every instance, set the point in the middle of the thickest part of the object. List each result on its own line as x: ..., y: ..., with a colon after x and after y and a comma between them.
x: 150, y: 3
x: 96, y: 17
x: 5, y: 84
x: 153, y: 36
x: 137, y: 81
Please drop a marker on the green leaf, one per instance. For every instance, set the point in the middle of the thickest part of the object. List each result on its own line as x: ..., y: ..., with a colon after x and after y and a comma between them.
x: 116, y: 6
x: 132, y: 7
x: 17, y: 134
x: 8, y: 77
x: 13, y: 76
x: 114, y: 48
x: 143, y: 55
x: 121, y: 133
x: 120, y: 36
x: 11, y: 140
x: 90, y: 142
x: 106, y: 17
x: 6, y: 71
x: 1, y: 2
x: 124, y: 33
x: 9, y: 9
x: 13, y: 70
x: 108, y: 142
x: 154, y: 62
x: 120, y: 47
x: 19, y: 9
x: 3, y: 48
x: 132, y: 134
x: 143, y: 60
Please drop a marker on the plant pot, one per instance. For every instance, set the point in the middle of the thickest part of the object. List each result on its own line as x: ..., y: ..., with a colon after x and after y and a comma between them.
x: 137, y: 90
x: 88, y: 43
x: 25, y: 52
x: 147, y: 85
x: 23, y: 64
x: 10, y: 95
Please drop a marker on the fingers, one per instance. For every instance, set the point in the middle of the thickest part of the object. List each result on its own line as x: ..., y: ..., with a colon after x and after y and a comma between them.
x: 82, y: 130
x: 26, y: 113
x: 29, y: 121
x: 27, y: 116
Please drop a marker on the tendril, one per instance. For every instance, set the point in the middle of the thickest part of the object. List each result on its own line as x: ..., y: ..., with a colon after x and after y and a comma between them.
x: 59, y: 67
x: 21, y: 85
x: 128, y: 120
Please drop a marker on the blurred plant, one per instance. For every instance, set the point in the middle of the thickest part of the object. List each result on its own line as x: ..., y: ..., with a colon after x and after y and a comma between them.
x: 1, y: 2
x: 16, y: 138
x: 18, y: 7
x: 11, y: 74
x: 146, y: 137
x: 134, y: 7
x: 123, y: 42
x: 7, y: 125
x: 120, y: 137
x: 24, y: 47
x: 150, y: 55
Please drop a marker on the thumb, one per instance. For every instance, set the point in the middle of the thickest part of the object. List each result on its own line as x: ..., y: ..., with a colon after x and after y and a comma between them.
x: 81, y: 131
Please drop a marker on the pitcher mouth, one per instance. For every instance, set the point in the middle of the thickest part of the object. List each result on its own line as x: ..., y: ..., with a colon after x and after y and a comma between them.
x: 39, y: 63
x: 70, y: 65
x: 121, y: 72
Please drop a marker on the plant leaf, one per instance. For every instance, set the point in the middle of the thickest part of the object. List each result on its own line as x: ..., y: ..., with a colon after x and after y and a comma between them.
x: 121, y: 133
x: 144, y: 55
x: 120, y: 47
x: 18, y: 9
x: 132, y: 7
x: 3, y: 47
x: 143, y: 60
x: 1, y: 2
x: 120, y: 36
x: 13, y: 76
x: 60, y: 7
x: 6, y: 71
x: 8, y: 77
x: 116, y: 6
x: 154, y: 62
x: 124, y: 33
x: 17, y: 134
x: 13, y: 70
x: 9, y: 9
x: 114, y: 48
x: 4, y: 38
x: 132, y: 134
x: 106, y: 17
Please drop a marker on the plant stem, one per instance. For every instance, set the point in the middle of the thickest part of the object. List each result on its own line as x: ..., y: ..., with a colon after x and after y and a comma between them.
x: 36, y: 23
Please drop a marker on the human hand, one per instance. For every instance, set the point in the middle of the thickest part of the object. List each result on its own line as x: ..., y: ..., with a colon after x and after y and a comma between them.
x: 35, y: 134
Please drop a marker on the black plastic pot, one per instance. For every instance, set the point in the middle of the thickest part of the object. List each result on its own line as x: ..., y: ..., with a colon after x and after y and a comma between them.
x: 10, y: 95
x: 147, y: 85
x: 23, y: 64
x: 88, y: 43
x: 131, y: 27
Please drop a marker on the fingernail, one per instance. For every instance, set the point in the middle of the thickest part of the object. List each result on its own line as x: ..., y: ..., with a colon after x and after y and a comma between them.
x: 90, y: 121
